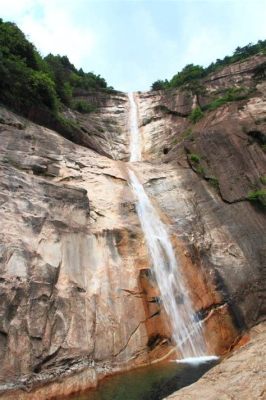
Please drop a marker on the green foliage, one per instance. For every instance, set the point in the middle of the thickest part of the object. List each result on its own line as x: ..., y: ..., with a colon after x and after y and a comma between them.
x: 196, y: 115
x: 214, y: 182
x: 67, y: 78
x: 14, y: 45
x: 59, y: 68
x: 241, y: 53
x: 194, y: 158
x: 195, y: 86
x: 30, y: 83
x: 216, y: 103
x: 195, y: 162
x: 232, y: 94
x: 193, y: 73
x: 263, y: 179
x: 258, y: 196
x: 200, y: 170
x: 23, y: 85
x: 159, y: 85
x: 44, y: 89
x: 83, y: 106
x: 188, y: 74
x: 67, y: 123
x: 260, y: 71
x: 91, y: 81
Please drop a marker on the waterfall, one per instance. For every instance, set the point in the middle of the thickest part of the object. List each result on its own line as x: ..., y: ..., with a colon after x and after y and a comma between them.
x: 186, y: 329
x: 135, y: 145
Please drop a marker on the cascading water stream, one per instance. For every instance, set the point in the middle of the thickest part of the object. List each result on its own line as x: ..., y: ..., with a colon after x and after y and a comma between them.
x: 187, y: 330
x: 135, y: 144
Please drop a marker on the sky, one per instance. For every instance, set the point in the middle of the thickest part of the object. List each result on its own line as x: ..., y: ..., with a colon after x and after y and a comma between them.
x: 132, y: 43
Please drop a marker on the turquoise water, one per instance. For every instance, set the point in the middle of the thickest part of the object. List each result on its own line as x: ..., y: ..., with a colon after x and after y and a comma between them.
x: 149, y: 383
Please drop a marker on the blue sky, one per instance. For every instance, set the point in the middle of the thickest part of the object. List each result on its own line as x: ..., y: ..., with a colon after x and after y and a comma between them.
x: 132, y: 43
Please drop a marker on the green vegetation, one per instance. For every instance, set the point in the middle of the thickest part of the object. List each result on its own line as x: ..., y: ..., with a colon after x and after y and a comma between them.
x: 32, y: 85
x: 200, y: 170
x: 159, y: 85
x: 67, y: 124
x: 67, y: 78
x: 191, y: 74
x: 258, y: 196
x: 83, y: 106
x: 232, y: 94
x: 195, y: 162
x: 195, y: 86
x: 263, y: 179
x: 214, y: 182
x: 194, y: 158
x: 196, y: 115
x: 188, y: 74
x: 23, y: 83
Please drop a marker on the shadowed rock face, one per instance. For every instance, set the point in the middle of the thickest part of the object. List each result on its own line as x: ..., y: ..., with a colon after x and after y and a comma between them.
x: 105, y: 131
x: 77, y: 299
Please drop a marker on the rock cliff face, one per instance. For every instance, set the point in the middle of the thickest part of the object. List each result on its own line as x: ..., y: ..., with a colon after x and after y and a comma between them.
x: 77, y: 298
x: 106, y: 130
x: 72, y: 256
x: 218, y: 160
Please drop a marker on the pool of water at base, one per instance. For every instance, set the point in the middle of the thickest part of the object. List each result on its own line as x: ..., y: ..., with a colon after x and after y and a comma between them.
x: 149, y: 383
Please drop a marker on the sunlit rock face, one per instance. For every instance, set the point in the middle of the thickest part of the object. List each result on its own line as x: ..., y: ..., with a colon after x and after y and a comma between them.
x: 206, y: 195
x: 78, y: 300
x: 72, y: 256
x: 163, y: 115
x: 66, y: 217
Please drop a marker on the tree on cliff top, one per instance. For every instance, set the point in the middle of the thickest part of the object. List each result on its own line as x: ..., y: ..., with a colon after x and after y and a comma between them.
x: 192, y: 73
x: 29, y: 82
x: 23, y: 84
x: 189, y: 73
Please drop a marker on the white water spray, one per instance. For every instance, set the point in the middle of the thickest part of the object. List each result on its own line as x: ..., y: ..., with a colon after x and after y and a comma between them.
x: 187, y: 330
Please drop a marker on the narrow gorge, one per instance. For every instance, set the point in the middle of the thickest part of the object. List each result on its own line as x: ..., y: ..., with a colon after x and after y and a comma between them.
x: 136, y: 238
